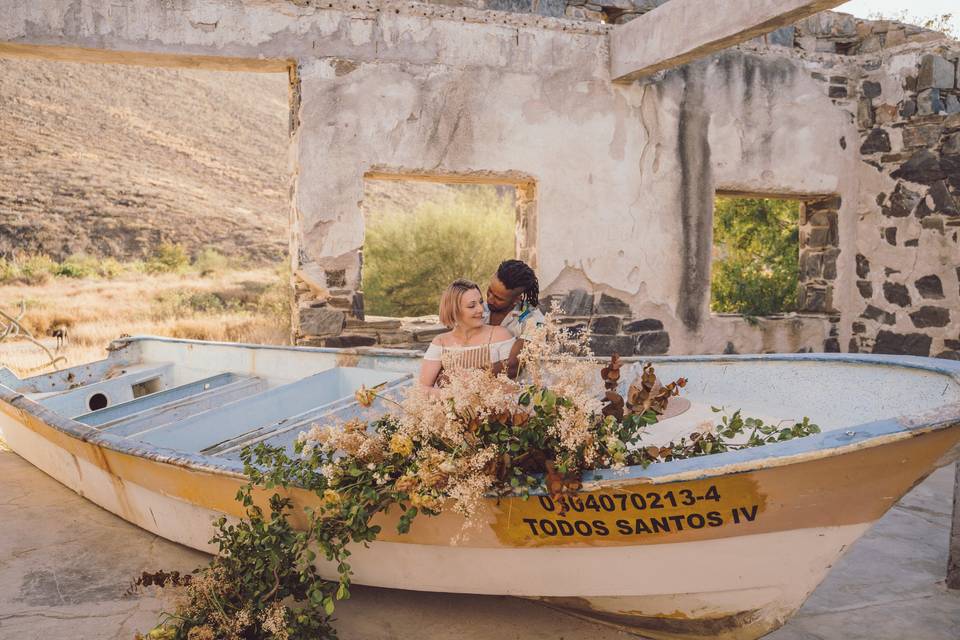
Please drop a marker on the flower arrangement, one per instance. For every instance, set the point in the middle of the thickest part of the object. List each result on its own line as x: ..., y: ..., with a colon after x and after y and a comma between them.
x: 435, y: 450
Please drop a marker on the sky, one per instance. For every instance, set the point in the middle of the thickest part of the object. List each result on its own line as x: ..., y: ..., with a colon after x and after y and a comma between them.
x: 918, y: 8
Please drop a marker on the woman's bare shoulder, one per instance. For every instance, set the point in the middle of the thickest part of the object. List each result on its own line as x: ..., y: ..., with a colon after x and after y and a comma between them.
x: 500, y: 334
x: 442, y: 339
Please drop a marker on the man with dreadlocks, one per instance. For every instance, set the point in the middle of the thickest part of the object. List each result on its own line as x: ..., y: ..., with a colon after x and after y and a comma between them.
x: 513, y: 298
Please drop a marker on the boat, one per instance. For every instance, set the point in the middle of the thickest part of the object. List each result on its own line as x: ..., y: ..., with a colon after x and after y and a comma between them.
x: 723, y: 546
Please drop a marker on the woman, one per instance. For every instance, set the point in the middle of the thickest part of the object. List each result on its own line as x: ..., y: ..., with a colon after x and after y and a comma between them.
x: 470, y: 343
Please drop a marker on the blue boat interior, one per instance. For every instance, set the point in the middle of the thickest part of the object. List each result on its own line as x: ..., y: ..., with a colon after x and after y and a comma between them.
x: 208, y: 401
x: 220, y: 414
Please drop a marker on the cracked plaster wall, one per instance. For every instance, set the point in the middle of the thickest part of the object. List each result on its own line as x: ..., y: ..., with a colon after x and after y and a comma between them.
x: 625, y: 175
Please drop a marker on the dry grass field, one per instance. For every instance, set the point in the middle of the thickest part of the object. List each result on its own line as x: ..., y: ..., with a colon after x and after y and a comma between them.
x: 243, y: 305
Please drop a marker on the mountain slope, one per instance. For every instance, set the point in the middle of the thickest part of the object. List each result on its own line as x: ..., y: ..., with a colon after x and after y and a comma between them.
x: 111, y: 160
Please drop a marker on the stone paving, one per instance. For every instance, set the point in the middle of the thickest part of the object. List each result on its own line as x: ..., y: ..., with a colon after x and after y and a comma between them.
x: 66, y: 564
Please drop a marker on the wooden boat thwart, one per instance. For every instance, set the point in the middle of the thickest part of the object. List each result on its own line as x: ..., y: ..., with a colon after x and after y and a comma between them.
x: 722, y: 546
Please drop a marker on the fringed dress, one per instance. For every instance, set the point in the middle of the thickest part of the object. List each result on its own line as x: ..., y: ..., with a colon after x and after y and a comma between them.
x: 481, y: 356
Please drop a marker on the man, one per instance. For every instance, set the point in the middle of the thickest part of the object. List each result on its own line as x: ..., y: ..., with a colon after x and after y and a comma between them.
x: 513, y: 298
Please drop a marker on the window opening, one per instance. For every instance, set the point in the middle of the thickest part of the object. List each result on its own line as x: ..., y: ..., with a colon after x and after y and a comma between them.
x: 420, y: 235
x: 756, y: 248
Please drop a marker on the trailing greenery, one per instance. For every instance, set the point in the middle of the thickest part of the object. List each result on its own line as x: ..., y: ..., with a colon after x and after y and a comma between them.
x: 720, y: 439
x: 409, y: 256
x: 756, y: 253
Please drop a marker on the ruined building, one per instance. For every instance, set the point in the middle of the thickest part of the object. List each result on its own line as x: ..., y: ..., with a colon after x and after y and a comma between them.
x: 617, y: 122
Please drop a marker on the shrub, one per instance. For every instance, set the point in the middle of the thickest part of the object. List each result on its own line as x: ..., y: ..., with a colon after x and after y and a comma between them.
x: 756, y: 241
x: 409, y: 258
x: 110, y: 268
x: 169, y: 257
x: 9, y: 271
x: 210, y: 261
x: 187, y: 303
x: 36, y: 269
x: 79, y: 265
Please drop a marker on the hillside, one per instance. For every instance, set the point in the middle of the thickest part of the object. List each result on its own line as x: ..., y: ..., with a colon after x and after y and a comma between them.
x: 111, y: 160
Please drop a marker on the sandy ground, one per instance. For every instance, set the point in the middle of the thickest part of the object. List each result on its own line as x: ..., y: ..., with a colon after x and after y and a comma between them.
x: 65, y: 566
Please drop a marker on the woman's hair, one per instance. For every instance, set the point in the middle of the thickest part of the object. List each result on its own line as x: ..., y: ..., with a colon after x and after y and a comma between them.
x: 516, y: 274
x: 450, y: 300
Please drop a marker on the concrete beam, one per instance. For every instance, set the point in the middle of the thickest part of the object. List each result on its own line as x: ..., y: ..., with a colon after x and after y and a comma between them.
x: 683, y: 30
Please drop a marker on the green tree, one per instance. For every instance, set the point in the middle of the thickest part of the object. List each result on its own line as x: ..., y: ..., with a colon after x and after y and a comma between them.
x: 410, y: 257
x: 755, y: 266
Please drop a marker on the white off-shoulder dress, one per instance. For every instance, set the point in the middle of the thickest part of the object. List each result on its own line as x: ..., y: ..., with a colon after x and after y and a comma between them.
x: 473, y: 357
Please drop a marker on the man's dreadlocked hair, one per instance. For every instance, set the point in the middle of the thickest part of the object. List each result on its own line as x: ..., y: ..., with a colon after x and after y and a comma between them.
x: 516, y: 274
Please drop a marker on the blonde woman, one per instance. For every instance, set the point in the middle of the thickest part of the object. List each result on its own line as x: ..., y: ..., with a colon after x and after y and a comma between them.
x: 469, y: 343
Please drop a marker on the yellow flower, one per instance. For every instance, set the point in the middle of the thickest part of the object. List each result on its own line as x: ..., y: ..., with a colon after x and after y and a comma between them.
x: 331, y: 498
x: 203, y: 632
x: 365, y: 396
x: 422, y: 501
x: 355, y: 426
x: 405, y: 483
x: 402, y: 445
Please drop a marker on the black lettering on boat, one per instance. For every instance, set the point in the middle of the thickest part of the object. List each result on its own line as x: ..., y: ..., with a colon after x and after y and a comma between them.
x: 623, y: 527
x: 654, y: 499
x: 622, y: 497
x: 606, y: 502
x: 714, y: 519
x: 566, y: 529
x: 546, y: 502
x: 638, y: 501
x: 677, y: 522
x: 601, y: 528
x: 750, y: 515
x: 660, y: 524
x: 583, y: 527
x: 533, y: 525
x: 696, y: 521
x: 548, y: 527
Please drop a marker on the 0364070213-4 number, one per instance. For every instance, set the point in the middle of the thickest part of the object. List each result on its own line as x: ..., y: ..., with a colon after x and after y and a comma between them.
x: 611, y: 502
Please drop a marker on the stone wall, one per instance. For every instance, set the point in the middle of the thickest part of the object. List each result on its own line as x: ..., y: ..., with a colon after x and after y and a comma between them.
x: 908, y: 262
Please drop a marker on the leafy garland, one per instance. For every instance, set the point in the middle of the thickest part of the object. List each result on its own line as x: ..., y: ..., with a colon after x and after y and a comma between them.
x: 263, y: 584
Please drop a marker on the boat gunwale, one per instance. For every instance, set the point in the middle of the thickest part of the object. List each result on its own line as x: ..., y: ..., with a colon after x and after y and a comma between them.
x: 823, y: 445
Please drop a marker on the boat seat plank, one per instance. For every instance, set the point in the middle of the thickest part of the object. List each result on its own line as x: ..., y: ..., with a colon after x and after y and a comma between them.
x: 143, y: 403
x: 185, y: 408
x: 295, y: 424
x: 206, y: 429
x: 73, y: 377
x: 116, y: 389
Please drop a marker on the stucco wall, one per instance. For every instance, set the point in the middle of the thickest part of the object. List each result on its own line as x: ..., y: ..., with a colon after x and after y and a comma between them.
x: 625, y: 175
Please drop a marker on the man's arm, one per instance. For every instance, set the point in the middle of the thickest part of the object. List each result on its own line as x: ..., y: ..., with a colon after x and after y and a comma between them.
x: 513, y: 362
